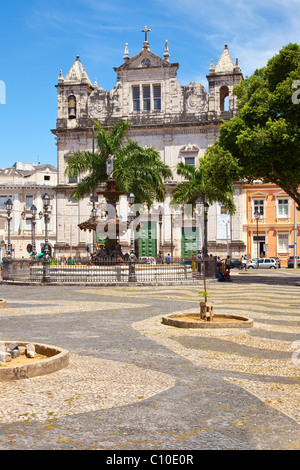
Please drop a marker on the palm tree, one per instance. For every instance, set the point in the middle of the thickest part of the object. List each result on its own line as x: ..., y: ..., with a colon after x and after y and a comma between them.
x: 136, y: 169
x: 195, y: 186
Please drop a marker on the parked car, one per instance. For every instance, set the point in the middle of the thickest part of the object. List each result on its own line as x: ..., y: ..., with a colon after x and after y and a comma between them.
x: 290, y: 263
x: 264, y: 263
x: 147, y: 260
x: 235, y: 263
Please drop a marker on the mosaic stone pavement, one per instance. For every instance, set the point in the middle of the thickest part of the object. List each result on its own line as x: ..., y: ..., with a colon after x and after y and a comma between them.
x: 134, y: 383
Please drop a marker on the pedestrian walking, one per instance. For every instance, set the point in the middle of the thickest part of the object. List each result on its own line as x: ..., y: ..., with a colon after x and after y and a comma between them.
x: 228, y: 263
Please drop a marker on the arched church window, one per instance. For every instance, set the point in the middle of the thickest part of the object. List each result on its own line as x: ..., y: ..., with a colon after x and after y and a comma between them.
x: 72, y: 107
x: 224, y: 98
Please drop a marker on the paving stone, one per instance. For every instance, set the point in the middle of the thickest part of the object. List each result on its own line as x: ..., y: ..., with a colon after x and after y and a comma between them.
x: 227, y: 389
x: 15, y: 353
x: 30, y: 350
x: 5, y: 356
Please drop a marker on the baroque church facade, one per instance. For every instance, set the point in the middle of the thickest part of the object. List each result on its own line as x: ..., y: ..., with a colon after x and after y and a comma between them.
x: 181, y: 122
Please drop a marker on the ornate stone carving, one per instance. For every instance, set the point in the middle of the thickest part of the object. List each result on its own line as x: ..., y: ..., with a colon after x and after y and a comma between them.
x: 146, y: 62
x: 193, y: 101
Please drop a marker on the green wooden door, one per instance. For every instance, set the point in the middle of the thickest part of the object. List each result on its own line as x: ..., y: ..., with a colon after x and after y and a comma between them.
x: 189, y: 241
x: 148, y: 239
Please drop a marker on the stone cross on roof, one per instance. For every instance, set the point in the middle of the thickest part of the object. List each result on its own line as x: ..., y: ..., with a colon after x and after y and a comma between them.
x: 146, y: 43
x: 146, y: 31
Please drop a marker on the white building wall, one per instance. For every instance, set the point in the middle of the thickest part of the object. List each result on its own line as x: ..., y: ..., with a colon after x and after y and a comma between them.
x: 188, y: 116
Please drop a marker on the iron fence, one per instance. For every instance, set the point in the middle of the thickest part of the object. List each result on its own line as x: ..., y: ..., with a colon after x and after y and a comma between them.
x: 108, y: 272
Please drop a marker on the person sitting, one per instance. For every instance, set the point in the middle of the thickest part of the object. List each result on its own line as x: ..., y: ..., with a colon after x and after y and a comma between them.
x: 223, y: 274
x: 219, y: 275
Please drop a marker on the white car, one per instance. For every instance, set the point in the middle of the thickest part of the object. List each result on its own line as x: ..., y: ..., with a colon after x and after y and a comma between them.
x: 147, y: 260
x: 266, y: 263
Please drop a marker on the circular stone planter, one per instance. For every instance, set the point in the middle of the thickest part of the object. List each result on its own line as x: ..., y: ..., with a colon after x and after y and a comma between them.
x: 190, y: 320
x: 56, y: 360
x: 2, y: 303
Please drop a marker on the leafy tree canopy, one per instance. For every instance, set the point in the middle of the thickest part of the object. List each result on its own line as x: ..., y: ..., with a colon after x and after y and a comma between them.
x: 263, y: 140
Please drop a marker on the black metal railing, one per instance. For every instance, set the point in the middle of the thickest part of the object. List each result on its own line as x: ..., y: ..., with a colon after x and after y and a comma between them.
x: 109, y: 271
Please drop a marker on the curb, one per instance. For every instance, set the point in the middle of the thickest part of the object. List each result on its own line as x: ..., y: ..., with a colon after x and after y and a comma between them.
x: 175, y: 321
x: 59, y: 358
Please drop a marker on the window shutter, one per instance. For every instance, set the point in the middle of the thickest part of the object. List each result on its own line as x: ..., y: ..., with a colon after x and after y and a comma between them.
x: 146, y: 98
x: 136, y: 98
x: 157, y: 97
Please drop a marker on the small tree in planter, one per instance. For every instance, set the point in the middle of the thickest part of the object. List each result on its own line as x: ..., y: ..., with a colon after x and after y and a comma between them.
x: 206, y: 308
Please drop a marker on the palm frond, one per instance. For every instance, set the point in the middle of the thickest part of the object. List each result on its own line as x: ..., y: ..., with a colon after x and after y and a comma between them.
x: 137, y: 169
x: 187, y: 192
x: 187, y: 171
x: 79, y: 162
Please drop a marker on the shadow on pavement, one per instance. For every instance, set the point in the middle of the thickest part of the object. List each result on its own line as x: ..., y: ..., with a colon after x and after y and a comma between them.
x: 282, y: 278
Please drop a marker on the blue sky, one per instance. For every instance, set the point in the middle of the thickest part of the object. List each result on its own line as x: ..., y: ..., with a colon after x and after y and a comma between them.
x: 38, y: 38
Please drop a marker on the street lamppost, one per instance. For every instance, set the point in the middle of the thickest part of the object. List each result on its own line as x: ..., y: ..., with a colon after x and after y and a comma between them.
x: 257, y: 217
x: 94, y: 215
x: 199, y: 202
x: 46, y: 205
x: 7, y: 260
x: 33, y: 211
x: 160, y: 216
x: 132, y: 257
x: 172, y: 236
x: 46, y: 258
x: 205, y: 207
x: 9, y: 206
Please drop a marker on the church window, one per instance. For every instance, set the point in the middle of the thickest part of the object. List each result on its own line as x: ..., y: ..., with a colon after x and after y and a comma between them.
x: 71, y: 200
x: 224, y: 98
x: 73, y: 178
x: 72, y: 107
x: 3, y: 200
x: 28, y: 201
x: 157, y: 97
x: 136, y: 98
x: 189, y: 161
x: 146, y: 98
x: 28, y: 223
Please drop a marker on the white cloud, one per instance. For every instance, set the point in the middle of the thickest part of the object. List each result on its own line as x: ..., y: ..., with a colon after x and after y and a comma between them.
x: 254, y: 30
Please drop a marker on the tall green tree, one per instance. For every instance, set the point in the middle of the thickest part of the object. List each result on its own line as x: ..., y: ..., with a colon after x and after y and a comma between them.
x: 136, y: 169
x: 263, y: 141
